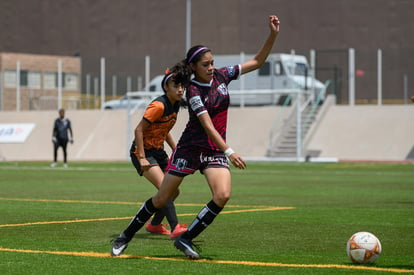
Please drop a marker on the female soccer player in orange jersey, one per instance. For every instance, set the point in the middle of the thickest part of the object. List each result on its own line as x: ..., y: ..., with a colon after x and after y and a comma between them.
x: 147, y: 151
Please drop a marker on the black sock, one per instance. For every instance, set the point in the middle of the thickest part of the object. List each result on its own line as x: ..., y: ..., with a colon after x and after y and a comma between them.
x: 203, y: 219
x: 167, y: 211
x: 143, y: 215
x: 170, y: 214
x: 158, y: 217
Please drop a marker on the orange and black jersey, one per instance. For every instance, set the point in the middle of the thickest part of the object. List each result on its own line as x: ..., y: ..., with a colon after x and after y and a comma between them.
x: 162, y: 116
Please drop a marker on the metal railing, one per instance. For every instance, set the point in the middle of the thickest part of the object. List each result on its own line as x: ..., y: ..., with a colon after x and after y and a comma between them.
x: 302, y: 100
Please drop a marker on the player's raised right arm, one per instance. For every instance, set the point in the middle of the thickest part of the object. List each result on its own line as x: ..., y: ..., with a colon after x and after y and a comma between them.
x: 263, y: 53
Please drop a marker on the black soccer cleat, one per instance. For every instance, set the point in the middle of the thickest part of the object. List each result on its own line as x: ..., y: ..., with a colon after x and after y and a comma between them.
x: 119, y: 245
x: 186, y: 246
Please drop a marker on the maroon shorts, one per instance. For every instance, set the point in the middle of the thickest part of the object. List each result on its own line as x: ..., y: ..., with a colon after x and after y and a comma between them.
x: 186, y: 160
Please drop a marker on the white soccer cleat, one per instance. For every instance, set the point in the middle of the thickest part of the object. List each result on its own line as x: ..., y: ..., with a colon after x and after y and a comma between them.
x: 186, y: 246
x: 119, y: 245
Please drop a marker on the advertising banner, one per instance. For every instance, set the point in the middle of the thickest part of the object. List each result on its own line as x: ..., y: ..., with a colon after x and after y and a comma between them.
x: 15, y: 132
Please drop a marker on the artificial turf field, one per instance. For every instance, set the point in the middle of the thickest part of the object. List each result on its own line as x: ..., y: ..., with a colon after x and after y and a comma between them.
x: 283, y: 218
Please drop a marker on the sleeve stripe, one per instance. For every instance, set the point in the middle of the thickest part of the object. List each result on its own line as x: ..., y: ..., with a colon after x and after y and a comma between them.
x: 202, y: 112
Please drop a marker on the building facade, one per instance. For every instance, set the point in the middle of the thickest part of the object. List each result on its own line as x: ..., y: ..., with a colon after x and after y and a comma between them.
x: 31, y: 82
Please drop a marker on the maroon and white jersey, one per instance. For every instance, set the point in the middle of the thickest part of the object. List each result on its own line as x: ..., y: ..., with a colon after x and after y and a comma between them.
x: 210, y: 97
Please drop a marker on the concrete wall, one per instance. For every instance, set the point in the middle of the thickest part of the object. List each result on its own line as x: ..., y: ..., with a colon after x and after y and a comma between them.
x: 97, y: 136
x: 366, y: 132
x: 358, y: 133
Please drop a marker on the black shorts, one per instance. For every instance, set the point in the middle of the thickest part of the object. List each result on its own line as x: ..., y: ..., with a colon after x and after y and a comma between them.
x: 156, y: 157
x: 61, y: 143
x: 186, y: 160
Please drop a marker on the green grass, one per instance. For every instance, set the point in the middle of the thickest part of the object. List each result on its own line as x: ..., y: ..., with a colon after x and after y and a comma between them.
x: 331, y: 202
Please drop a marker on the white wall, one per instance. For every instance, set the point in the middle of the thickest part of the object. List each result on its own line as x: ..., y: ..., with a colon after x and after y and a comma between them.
x: 366, y: 132
x: 98, y: 135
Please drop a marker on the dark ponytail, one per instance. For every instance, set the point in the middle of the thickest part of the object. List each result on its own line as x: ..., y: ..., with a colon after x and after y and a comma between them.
x: 180, y: 73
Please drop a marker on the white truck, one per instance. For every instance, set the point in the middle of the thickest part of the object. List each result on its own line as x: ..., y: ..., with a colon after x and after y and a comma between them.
x: 280, y: 71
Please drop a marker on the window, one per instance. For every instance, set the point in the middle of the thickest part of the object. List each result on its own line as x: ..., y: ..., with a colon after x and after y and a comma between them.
x: 57, y: 80
x: 265, y: 69
x: 10, y: 79
x: 49, y: 80
x: 153, y: 88
x: 24, y: 79
x: 34, y: 80
x: 279, y: 68
x: 27, y: 79
x: 70, y: 81
x: 297, y: 68
x: 301, y: 69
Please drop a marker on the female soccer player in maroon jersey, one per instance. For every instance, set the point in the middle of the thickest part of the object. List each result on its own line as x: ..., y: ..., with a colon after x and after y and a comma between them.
x: 202, y: 145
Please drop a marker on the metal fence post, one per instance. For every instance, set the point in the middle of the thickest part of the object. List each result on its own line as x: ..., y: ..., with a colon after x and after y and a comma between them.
x: 59, y: 87
x: 379, y: 72
x: 18, y: 86
x: 102, y: 82
x: 298, y: 127
x: 351, y: 68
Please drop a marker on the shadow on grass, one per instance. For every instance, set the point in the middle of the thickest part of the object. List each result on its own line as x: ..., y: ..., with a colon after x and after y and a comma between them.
x: 406, y: 267
x: 162, y: 238
x: 411, y: 267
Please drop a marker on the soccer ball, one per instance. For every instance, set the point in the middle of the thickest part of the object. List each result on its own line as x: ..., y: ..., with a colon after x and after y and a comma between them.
x: 363, y: 248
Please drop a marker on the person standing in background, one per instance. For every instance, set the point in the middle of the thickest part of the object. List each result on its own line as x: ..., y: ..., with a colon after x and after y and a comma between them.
x: 61, y: 135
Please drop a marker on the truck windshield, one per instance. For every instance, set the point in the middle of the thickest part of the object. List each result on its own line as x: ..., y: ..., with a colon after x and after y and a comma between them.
x: 297, y: 68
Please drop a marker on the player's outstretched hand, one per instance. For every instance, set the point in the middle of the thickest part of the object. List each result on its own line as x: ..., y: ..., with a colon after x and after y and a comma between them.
x: 237, y: 161
x: 274, y: 23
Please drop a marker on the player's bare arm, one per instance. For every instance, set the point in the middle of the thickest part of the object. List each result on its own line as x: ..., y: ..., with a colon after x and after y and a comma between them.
x: 208, y: 126
x: 170, y: 141
x: 139, y: 143
x: 263, y: 53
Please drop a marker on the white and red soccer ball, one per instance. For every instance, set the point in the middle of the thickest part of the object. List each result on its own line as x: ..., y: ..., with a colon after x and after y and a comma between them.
x: 363, y: 248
